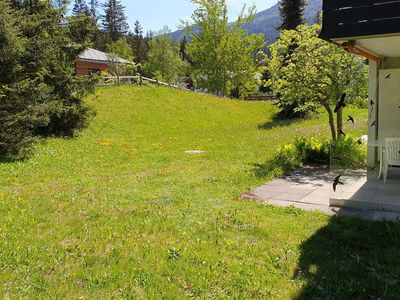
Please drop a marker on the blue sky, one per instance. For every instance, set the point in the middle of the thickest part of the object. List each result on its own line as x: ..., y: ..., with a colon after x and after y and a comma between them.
x: 154, y: 14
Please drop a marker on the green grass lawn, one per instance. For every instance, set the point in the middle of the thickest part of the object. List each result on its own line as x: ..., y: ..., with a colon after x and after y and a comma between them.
x: 122, y: 211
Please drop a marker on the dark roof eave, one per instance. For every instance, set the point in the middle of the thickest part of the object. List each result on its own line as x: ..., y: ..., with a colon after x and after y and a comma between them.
x: 350, y: 19
x: 332, y: 38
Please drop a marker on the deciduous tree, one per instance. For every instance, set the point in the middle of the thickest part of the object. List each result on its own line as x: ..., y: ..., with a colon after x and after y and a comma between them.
x: 224, y: 56
x: 316, y: 73
x: 163, y: 60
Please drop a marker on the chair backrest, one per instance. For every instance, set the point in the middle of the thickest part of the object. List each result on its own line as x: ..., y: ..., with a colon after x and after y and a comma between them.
x: 392, y: 151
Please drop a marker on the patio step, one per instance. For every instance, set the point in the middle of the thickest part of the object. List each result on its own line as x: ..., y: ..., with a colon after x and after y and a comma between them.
x: 379, y: 204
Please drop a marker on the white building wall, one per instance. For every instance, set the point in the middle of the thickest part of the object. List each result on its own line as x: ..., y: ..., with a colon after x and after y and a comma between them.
x: 384, y: 114
x: 388, y: 124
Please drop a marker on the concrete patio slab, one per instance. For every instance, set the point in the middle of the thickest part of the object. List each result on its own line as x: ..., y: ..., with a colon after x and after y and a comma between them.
x: 309, y: 188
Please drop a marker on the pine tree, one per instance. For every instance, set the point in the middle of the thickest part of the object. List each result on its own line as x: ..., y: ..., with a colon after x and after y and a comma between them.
x: 182, y: 49
x: 291, y: 12
x: 114, y: 20
x: 138, y: 29
x: 80, y: 8
x: 139, y: 44
x: 39, y: 93
x: 93, y: 10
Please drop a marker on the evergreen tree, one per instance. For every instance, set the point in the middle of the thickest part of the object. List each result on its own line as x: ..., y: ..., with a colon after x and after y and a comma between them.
x: 114, y: 20
x: 80, y: 21
x: 138, y: 43
x: 39, y: 95
x: 62, y: 5
x: 291, y: 12
x: 138, y: 30
x: 182, y: 49
x: 149, y: 35
x: 93, y: 10
x: 80, y: 8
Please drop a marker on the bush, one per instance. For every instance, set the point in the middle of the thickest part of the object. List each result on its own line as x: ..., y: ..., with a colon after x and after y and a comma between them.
x: 314, y: 150
x: 288, y: 158
x: 347, y: 152
x: 65, y: 118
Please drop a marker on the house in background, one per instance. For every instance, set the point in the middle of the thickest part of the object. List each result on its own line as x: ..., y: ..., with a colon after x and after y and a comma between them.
x: 371, y: 28
x: 94, y: 61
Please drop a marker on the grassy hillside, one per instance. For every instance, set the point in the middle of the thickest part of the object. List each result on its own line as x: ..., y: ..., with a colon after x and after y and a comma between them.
x: 122, y: 211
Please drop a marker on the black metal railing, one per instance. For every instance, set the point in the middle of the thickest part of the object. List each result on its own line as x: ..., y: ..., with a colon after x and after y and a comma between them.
x: 355, y: 18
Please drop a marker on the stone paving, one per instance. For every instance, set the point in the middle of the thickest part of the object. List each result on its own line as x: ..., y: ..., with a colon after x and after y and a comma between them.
x: 309, y: 188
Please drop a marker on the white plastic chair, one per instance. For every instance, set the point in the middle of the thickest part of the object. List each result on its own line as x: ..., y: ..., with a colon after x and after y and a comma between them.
x: 392, y: 154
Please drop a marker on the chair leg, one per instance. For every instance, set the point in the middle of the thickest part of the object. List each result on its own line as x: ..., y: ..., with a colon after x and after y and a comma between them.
x: 385, y: 170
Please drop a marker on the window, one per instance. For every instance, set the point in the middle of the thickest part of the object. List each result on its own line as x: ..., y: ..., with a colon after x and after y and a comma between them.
x: 93, y: 71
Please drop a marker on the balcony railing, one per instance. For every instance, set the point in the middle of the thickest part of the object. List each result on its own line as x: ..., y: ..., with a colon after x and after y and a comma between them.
x: 358, y: 18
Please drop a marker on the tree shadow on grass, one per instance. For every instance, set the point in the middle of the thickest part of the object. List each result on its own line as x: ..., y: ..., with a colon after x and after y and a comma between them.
x: 278, y: 122
x: 351, y: 259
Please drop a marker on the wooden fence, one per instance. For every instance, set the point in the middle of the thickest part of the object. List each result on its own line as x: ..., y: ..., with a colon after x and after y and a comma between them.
x: 264, y: 97
x: 138, y: 79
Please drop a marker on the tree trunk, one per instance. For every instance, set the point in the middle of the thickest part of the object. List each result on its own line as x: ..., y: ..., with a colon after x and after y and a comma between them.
x: 331, y: 122
x: 339, y: 119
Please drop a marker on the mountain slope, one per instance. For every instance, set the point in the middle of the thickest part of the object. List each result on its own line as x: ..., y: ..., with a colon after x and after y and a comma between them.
x: 268, y: 20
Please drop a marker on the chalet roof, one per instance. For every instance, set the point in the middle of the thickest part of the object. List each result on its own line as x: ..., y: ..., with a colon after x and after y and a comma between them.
x: 94, y: 55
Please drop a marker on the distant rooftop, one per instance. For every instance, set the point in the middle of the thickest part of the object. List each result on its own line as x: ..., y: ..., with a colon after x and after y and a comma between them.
x: 91, y: 54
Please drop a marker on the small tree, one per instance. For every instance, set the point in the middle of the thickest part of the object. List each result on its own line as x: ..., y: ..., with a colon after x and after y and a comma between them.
x: 117, y: 50
x: 224, y: 57
x: 121, y: 49
x: 138, y: 43
x: 317, y: 72
x: 163, y: 61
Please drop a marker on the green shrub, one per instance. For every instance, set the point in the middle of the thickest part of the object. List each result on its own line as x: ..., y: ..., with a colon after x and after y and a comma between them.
x: 288, y: 158
x: 65, y: 118
x: 315, y: 150
x: 349, y: 153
